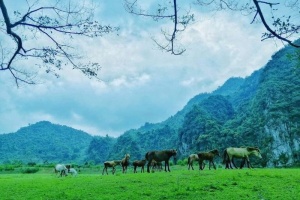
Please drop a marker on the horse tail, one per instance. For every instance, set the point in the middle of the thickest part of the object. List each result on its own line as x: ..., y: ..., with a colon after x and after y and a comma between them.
x: 189, y: 160
x: 225, y: 155
x: 146, y: 156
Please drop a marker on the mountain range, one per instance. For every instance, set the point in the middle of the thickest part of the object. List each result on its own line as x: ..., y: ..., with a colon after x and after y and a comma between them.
x: 260, y: 110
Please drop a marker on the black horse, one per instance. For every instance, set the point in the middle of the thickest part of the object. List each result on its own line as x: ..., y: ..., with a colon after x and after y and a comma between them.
x: 160, y: 156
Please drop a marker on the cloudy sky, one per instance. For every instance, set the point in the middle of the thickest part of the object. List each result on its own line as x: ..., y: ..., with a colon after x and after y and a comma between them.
x: 139, y: 83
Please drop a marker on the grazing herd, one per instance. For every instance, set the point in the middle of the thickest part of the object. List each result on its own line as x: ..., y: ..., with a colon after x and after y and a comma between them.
x: 154, y: 160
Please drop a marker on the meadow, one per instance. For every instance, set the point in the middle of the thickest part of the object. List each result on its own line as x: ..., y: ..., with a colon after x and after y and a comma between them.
x: 180, y: 183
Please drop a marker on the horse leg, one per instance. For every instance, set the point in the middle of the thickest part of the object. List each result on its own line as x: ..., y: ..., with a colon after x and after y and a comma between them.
x: 226, y: 161
x: 248, y: 163
x: 243, y: 163
x: 213, y: 164
x: 233, y: 163
x: 229, y: 161
x: 63, y: 173
x: 200, y: 165
x: 226, y: 164
x: 191, y: 163
x: 105, y: 169
x: 166, y: 166
x: 250, y: 166
x: 148, y: 165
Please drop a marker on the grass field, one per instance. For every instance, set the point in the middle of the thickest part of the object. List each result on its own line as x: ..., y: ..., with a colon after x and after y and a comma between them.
x: 178, y: 184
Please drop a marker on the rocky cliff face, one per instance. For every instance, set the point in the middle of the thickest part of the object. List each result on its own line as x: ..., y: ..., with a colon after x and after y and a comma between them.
x: 284, y: 146
x: 266, y: 114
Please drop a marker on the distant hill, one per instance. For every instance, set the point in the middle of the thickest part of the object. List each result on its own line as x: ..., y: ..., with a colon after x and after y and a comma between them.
x: 43, y: 142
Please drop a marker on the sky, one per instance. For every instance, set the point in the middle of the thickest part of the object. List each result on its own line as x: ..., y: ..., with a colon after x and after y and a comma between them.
x: 139, y: 83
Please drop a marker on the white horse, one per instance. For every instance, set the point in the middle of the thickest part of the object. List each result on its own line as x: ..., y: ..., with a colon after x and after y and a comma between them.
x: 61, y: 168
x: 73, y: 171
x: 242, y: 152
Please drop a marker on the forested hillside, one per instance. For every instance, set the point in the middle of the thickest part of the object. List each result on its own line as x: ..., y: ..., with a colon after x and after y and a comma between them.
x: 44, y: 142
x: 260, y: 110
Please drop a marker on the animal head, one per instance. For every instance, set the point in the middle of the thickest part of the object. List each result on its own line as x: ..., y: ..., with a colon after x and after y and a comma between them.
x: 173, y: 152
x: 216, y: 152
x: 255, y: 151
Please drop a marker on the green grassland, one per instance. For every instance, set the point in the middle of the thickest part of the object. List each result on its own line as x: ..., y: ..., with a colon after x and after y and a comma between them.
x: 180, y: 183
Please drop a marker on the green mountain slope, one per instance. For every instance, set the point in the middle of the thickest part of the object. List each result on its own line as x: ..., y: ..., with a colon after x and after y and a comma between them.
x: 44, y: 141
x: 261, y: 110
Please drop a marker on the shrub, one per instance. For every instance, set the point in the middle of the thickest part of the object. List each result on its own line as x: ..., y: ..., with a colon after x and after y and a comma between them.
x: 181, y: 163
x: 31, y: 164
x: 8, y: 168
x: 30, y: 170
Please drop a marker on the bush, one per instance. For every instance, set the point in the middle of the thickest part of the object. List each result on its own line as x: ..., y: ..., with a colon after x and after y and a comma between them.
x: 184, y: 162
x: 31, y: 164
x: 8, y: 168
x: 30, y: 170
x: 181, y: 163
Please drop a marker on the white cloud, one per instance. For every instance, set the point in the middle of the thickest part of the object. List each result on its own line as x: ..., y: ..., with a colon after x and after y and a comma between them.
x: 139, y: 83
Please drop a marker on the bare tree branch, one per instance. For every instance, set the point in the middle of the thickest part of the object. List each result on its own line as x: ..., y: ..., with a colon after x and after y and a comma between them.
x: 50, y: 22
x: 273, y: 33
x: 281, y: 27
x: 170, y: 37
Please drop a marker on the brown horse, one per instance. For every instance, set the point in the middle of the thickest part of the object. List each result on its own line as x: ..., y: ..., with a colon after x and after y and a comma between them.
x: 111, y: 164
x: 242, y: 152
x: 156, y: 165
x: 207, y: 156
x: 160, y: 156
x: 139, y: 163
x: 191, y: 159
x: 125, y: 162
